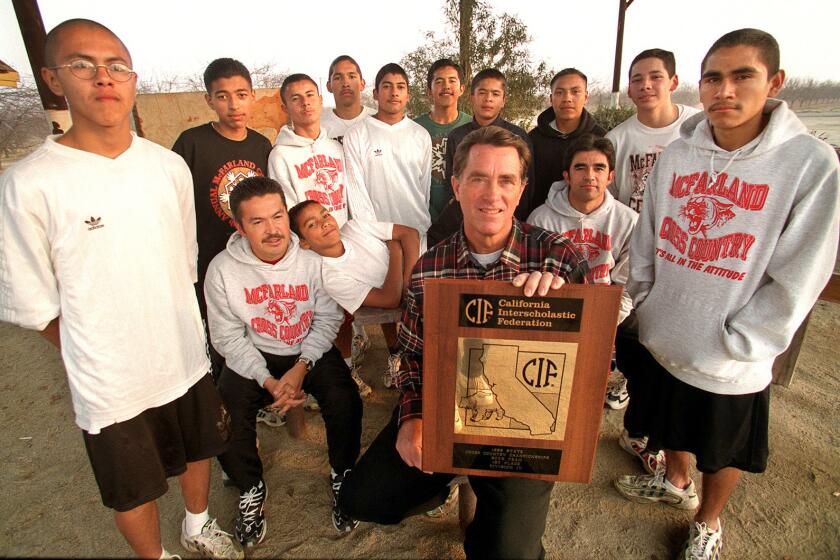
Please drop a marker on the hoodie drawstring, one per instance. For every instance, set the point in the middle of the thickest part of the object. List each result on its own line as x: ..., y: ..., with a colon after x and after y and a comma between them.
x: 714, y: 174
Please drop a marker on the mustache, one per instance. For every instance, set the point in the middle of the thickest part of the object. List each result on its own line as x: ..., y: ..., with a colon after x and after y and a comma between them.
x: 717, y: 106
x: 272, y: 237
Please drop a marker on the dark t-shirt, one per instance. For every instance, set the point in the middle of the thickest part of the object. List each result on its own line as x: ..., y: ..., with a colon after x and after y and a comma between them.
x: 217, y: 165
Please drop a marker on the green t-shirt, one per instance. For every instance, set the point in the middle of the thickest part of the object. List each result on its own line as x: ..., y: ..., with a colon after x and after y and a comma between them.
x: 440, y: 190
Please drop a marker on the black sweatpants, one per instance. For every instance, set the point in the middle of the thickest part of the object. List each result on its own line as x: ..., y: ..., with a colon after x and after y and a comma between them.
x: 509, y: 516
x: 329, y: 382
x: 641, y: 371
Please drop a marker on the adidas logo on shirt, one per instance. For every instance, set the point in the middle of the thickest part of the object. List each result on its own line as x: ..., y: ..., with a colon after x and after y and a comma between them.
x: 94, y: 223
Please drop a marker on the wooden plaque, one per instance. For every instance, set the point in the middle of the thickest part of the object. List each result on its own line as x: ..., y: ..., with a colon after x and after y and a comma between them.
x: 514, y: 385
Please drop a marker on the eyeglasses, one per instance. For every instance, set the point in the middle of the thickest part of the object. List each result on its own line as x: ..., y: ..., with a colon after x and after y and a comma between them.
x: 86, y: 70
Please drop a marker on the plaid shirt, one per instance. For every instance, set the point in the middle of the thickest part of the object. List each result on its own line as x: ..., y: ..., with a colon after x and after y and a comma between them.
x: 528, y: 249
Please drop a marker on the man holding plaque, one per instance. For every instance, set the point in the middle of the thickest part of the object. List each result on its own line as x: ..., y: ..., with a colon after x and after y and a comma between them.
x: 388, y: 485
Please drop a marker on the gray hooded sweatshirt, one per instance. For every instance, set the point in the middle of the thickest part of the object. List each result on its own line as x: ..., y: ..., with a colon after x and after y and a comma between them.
x: 280, y: 308
x: 310, y: 169
x: 602, y: 236
x: 732, y: 250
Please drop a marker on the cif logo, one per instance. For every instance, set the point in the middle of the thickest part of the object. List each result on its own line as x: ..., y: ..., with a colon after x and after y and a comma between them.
x: 478, y: 311
x: 538, y: 372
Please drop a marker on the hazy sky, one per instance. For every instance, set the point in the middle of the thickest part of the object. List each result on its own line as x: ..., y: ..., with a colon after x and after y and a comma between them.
x: 181, y: 37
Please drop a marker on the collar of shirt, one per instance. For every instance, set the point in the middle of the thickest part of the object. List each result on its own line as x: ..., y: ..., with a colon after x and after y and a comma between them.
x: 509, y: 261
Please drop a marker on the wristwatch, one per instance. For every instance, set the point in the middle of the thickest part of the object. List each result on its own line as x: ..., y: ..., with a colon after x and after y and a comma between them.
x: 307, y: 363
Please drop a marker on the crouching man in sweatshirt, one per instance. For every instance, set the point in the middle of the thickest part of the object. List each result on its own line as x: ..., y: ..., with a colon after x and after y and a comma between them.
x: 581, y: 209
x: 272, y: 320
x: 737, y: 236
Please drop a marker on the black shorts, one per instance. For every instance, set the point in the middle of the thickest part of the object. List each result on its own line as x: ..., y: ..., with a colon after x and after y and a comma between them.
x: 131, y: 460
x: 720, y: 430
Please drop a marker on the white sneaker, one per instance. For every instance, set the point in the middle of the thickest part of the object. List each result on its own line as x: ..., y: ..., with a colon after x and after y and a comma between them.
x: 270, y: 417
x: 389, y: 377
x: 703, y: 543
x: 617, y: 396
x: 655, y: 487
x: 358, y: 348
x: 638, y: 448
x: 212, y: 542
x: 364, y: 388
x: 441, y: 510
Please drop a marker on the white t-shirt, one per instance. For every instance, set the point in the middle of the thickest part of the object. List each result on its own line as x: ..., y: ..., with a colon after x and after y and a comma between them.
x: 109, y: 246
x: 336, y: 127
x: 363, y: 266
x: 636, y: 149
x: 393, y: 165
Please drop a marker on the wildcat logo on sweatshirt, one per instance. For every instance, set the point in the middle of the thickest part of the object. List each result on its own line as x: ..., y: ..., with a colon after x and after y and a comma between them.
x: 278, y: 314
x: 326, y: 173
x: 711, y: 203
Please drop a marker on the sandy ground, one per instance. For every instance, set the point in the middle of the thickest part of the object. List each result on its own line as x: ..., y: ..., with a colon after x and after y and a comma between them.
x: 51, y: 505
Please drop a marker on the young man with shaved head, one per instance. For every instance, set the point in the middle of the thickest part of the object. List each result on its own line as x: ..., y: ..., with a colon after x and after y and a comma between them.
x: 99, y: 255
x: 737, y: 237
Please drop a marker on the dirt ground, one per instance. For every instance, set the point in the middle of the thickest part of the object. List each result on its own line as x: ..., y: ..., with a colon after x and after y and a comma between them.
x: 52, y: 508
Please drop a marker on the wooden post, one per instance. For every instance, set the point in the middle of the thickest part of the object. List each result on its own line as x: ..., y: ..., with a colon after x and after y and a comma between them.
x: 34, y: 39
x: 785, y: 365
x: 619, y: 41
x: 465, y: 10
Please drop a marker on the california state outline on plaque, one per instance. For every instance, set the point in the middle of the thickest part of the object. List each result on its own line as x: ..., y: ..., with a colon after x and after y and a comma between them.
x: 513, y: 388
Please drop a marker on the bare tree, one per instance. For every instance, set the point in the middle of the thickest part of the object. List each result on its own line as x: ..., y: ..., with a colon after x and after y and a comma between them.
x: 493, y: 41
x: 23, y: 124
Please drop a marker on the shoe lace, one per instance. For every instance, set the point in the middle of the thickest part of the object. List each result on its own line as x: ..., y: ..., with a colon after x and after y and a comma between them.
x: 652, y: 480
x: 699, y: 543
x: 249, y: 504
x: 213, y: 536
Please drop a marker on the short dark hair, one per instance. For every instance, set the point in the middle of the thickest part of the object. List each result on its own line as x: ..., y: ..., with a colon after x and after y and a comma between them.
x: 491, y: 136
x: 667, y: 58
x: 588, y: 142
x: 252, y: 187
x: 343, y: 58
x: 390, y: 68
x: 768, y: 48
x: 568, y: 72
x: 295, y: 212
x: 225, y: 68
x: 53, y: 37
x: 488, y: 73
x: 443, y: 63
x: 293, y: 79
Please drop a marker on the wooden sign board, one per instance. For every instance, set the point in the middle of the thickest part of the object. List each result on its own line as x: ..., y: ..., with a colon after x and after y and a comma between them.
x: 514, y: 385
